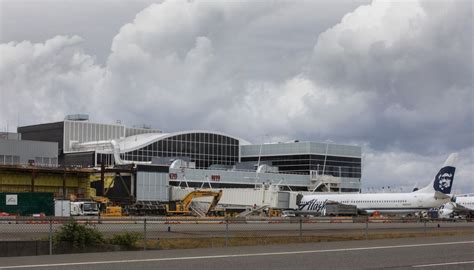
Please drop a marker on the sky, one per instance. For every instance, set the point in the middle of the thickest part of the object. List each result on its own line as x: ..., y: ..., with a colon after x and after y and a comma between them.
x: 395, y: 77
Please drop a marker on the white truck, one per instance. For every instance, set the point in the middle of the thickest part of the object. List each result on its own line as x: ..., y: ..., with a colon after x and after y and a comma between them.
x: 84, y: 209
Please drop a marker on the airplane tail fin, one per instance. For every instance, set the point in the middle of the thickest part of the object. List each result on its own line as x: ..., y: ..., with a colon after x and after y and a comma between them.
x: 443, y: 180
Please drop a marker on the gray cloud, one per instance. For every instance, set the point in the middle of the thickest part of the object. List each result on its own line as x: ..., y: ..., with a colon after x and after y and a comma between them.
x: 97, y: 22
x: 395, y: 77
x: 404, y: 170
x: 42, y: 81
x: 417, y: 60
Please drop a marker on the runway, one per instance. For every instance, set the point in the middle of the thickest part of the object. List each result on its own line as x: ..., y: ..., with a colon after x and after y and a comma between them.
x: 405, y: 253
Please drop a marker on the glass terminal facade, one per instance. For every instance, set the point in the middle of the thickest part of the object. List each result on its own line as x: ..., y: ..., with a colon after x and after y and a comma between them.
x: 302, y: 157
x: 205, y: 149
x: 302, y: 164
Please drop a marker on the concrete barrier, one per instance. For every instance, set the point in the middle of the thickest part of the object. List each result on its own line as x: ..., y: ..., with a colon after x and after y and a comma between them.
x: 23, y: 248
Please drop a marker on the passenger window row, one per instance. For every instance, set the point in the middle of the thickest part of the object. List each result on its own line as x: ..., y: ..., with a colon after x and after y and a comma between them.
x: 375, y: 201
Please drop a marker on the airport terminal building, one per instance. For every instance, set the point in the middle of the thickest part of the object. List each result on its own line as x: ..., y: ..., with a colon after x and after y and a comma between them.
x: 206, y: 157
x: 15, y: 151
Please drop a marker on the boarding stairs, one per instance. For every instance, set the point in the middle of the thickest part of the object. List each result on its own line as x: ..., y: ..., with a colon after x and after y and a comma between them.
x: 249, y: 212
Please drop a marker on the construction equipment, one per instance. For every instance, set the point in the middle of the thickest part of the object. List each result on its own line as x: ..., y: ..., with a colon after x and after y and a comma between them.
x: 107, y: 209
x: 274, y: 213
x: 183, y: 207
x: 144, y: 208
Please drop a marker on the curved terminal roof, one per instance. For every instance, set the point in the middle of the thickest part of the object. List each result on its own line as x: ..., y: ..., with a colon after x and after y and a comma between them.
x: 135, y: 142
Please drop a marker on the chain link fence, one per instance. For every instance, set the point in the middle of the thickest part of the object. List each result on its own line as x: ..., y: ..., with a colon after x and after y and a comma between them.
x: 20, y: 236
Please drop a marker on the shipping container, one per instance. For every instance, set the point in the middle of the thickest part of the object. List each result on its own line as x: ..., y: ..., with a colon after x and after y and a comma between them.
x: 27, y: 203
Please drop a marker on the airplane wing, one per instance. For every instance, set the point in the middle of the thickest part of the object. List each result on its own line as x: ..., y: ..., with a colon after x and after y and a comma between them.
x: 460, y: 208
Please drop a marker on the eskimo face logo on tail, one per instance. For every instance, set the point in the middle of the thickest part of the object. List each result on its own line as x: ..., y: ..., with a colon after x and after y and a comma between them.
x: 444, y: 180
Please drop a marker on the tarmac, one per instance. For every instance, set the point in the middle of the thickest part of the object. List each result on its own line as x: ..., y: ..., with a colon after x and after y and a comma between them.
x: 451, y: 252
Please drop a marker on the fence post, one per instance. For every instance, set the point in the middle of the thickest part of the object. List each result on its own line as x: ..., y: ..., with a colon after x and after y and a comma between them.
x: 367, y: 228
x: 226, y: 231
x: 301, y: 228
x: 50, y: 235
x: 144, y: 234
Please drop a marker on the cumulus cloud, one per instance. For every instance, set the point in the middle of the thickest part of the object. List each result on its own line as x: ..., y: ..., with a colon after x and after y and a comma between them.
x: 298, y: 106
x: 395, y: 77
x: 41, y: 81
x: 209, y: 61
x: 416, y: 58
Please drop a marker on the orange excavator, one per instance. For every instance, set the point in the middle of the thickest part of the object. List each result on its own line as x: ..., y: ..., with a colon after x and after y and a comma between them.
x: 183, y: 207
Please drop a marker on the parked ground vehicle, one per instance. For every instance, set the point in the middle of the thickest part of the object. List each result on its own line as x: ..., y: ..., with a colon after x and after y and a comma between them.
x: 339, y: 209
x: 84, y: 208
x: 274, y: 213
x: 106, y: 207
x: 288, y: 213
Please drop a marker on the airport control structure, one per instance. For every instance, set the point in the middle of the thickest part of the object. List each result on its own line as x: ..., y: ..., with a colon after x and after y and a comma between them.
x: 83, y: 158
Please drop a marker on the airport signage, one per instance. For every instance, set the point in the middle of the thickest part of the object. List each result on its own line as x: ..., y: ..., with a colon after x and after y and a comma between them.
x: 11, y: 199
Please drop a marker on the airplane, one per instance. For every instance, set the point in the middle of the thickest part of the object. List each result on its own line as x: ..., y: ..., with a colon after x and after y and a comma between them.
x: 465, y: 201
x: 460, y: 205
x: 432, y: 196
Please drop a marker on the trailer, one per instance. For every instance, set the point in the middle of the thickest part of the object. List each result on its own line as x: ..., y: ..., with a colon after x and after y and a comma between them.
x: 62, y: 208
x: 339, y: 209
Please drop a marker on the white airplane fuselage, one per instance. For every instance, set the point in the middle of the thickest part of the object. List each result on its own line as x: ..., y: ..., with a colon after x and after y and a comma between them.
x: 467, y: 202
x: 382, y: 202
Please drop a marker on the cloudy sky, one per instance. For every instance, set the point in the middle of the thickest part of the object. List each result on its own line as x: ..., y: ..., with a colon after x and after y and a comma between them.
x: 395, y: 77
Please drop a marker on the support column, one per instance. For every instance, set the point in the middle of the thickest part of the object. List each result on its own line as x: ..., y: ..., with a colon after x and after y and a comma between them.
x: 102, y: 178
x: 33, y: 176
x: 64, y: 186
